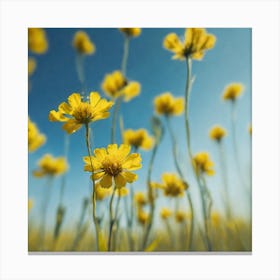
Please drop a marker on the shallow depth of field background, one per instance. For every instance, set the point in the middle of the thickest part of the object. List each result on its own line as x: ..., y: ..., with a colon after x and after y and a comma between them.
x: 151, y: 65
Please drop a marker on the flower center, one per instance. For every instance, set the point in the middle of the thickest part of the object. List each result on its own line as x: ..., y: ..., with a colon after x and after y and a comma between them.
x: 84, y: 113
x: 112, y: 168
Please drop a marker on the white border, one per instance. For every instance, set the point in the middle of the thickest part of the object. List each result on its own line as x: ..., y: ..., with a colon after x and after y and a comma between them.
x: 263, y: 16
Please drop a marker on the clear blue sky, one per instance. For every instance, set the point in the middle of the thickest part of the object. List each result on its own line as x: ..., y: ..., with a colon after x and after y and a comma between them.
x: 151, y: 65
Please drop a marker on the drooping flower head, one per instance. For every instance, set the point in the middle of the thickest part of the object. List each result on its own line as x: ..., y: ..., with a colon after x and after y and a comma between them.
x: 115, y: 85
x: 51, y: 166
x: 76, y: 112
x: 166, y: 104
x: 172, y: 185
x: 83, y: 44
x: 131, y: 32
x: 31, y: 65
x: 232, y: 91
x: 113, y: 165
x: 217, y: 133
x: 194, y: 45
x: 35, y: 138
x: 138, y: 139
x: 203, y: 164
x: 165, y: 213
x: 37, y: 40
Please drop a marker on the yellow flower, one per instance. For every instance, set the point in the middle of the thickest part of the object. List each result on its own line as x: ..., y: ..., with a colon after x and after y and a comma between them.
x: 180, y: 216
x: 50, y: 166
x: 138, y: 139
x: 195, y: 43
x: 250, y: 129
x: 83, y: 44
x: 115, y: 85
x: 165, y: 213
x: 81, y: 112
x: 37, y: 40
x: 142, y: 217
x: 172, y: 185
x: 131, y: 32
x: 122, y: 192
x: 217, y: 133
x: 166, y: 104
x: 232, y: 91
x: 102, y: 193
x: 30, y: 204
x: 35, y: 138
x: 31, y: 65
x: 140, y: 199
x: 113, y: 163
x: 203, y: 163
x: 215, y: 218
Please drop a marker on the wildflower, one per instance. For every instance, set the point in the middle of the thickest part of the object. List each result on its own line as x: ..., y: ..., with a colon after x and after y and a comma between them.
x: 140, y: 199
x: 113, y: 163
x: 83, y: 44
x: 35, y: 138
x: 172, y: 185
x: 81, y: 112
x: 203, y: 163
x: 142, y: 217
x: 138, y: 139
x: 166, y: 104
x: 50, y: 166
x: 195, y: 43
x: 180, y: 216
x: 165, y: 213
x: 30, y: 204
x: 131, y: 32
x: 250, y: 129
x: 232, y: 91
x: 31, y: 65
x: 217, y: 133
x: 37, y: 40
x: 102, y: 193
x: 122, y: 192
x: 115, y: 85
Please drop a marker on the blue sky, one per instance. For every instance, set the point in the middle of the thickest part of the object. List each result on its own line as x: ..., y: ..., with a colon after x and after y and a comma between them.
x: 151, y: 65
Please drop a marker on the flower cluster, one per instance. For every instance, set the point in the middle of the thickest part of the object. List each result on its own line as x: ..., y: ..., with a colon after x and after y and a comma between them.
x: 37, y: 40
x: 195, y: 43
x: 232, y: 91
x: 165, y: 213
x: 138, y: 139
x: 35, y: 138
x: 203, y: 164
x: 116, y: 85
x: 217, y: 133
x: 83, y: 44
x: 166, y: 104
x: 76, y: 112
x: 172, y: 185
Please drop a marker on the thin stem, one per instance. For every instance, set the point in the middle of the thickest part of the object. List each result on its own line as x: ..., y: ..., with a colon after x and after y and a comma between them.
x: 224, y: 175
x: 170, y: 233
x: 44, y: 210
x: 125, y: 55
x: 80, y: 72
x: 151, y: 198
x: 95, y: 220
x: 114, y: 119
x: 179, y: 170
x: 111, y: 219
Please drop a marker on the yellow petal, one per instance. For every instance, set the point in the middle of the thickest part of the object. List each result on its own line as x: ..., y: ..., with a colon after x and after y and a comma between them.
x: 98, y: 175
x: 100, y: 153
x: 112, y: 148
x: 120, y: 181
x: 131, y: 90
x: 65, y: 108
x: 124, y: 150
x: 55, y: 116
x: 71, y: 126
x: 188, y: 37
x: 74, y: 100
x: 129, y: 176
x: 106, y: 181
x: 132, y: 162
x: 94, y: 98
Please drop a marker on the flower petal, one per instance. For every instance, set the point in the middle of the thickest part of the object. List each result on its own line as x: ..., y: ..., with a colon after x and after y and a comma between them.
x: 129, y: 176
x: 98, y: 175
x: 112, y: 148
x: 71, y: 126
x: 55, y: 116
x: 123, y: 151
x: 106, y: 181
x: 120, y: 181
x: 74, y: 100
x: 94, y: 98
x: 65, y: 108
x: 100, y: 153
x: 132, y: 162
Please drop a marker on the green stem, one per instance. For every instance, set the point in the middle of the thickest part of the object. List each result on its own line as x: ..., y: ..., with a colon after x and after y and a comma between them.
x: 125, y: 55
x: 111, y: 219
x: 114, y: 119
x: 179, y: 170
x: 95, y: 220
x: 224, y: 175
x: 151, y: 198
x: 80, y: 72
